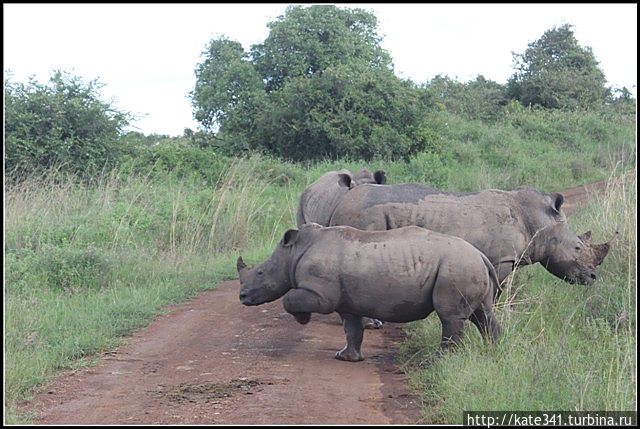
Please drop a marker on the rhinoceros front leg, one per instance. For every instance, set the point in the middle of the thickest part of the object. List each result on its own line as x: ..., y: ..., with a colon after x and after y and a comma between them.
x: 301, y: 303
x: 355, y: 332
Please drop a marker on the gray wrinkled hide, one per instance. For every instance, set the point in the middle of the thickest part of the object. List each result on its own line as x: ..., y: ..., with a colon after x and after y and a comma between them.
x: 319, y: 200
x: 511, y: 228
x: 398, y: 276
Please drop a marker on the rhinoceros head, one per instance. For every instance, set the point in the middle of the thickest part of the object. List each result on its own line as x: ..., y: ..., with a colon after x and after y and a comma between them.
x: 573, y: 258
x: 269, y: 280
x: 366, y: 177
x: 347, y: 179
x: 568, y: 256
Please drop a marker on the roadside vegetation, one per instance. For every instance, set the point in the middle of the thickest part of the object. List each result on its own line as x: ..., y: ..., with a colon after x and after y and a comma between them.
x: 103, y: 229
x: 564, y: 347
x: 86, y: 263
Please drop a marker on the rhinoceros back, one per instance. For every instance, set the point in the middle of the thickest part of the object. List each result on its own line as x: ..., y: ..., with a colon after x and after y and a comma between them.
x: 386, y: 274
x: 320, y: 199
x: 490, y: 220
x: 356, y: 205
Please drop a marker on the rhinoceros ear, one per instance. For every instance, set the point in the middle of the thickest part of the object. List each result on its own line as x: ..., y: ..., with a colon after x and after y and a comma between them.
x: 240, y: 265
x: 586, y: 237
x: 345, y: 180
x: 380, y: 177
x: 290, y: 237
x: 556, y: 201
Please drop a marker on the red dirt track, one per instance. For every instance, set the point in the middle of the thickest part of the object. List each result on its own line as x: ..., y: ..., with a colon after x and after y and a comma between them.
x: 214, y: 361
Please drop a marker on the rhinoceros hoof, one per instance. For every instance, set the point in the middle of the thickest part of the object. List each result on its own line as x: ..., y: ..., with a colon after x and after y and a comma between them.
x: 349, y: 356
x: 373, y: 324
x: 302, y: 318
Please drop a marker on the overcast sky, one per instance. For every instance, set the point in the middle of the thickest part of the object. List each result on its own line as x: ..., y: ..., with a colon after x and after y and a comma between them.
x: 146, y: 54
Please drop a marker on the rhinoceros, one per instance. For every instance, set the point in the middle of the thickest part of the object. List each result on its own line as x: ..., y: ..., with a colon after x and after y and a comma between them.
x: 512, y: 228
x: 397, y: 276
x: 319, y: 200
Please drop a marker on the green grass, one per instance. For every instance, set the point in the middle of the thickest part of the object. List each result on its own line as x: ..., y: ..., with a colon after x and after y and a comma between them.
x: 564, y: 347
x: 86, y: 263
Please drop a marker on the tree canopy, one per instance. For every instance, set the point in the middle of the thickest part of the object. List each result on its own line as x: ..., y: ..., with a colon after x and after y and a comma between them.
x: 556, y: 72
x: 306, y: 41
x: 226, y: 83
x: 319, y: 86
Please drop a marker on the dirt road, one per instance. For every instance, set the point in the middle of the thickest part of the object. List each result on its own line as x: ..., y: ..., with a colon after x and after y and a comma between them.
x: 213, y: 361
x: 574, y: 196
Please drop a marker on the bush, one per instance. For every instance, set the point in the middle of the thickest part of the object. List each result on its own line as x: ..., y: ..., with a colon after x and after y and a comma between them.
x: 349, y: 111
x: 61, y: 123
x: 180, y: 158
x: 478, y: 99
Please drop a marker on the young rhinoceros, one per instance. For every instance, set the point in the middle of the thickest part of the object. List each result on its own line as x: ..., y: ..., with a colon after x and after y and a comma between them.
x: 396, y: 276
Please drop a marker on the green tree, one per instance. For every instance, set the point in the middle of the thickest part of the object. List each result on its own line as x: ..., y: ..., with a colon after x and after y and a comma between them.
x: 622, y: 101
x: 556, y: 72
x: 350, y: 110
x: 477, y: 99
x: 307, y: 40
x: 319, y: 86
x: 63, y: 122
x: 228, y: 88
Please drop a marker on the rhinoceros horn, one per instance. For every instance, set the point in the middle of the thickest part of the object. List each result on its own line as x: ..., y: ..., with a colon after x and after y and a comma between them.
x: 240, y: 265
x: 586, y: 237
x: 601, y: 250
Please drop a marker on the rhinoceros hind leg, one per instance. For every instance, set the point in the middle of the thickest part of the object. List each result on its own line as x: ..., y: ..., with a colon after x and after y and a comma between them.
x: 486, y: 322
x: 452, y: 332
x: 355, y: 332
x: 503, y: 271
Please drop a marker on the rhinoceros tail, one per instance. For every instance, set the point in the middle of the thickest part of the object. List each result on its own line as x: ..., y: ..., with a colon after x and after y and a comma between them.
x: 300, y: 214
x: 493, y: 276
x: 300, y: 217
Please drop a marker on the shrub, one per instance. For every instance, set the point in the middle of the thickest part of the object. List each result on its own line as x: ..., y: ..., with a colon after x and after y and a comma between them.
x: 61, y: 123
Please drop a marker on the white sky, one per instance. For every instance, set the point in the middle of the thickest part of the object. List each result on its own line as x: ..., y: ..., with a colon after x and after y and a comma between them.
x: 146, y: 54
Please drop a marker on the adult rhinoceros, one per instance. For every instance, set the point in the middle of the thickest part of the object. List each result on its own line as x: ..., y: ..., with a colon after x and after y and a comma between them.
x: 319, y: 200
x: 396, y: 276
x: 512, y: 228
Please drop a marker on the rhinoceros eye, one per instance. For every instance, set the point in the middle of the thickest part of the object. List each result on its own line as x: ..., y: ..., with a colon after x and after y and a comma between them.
x: 260, y: 272
x: 578, y: 248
